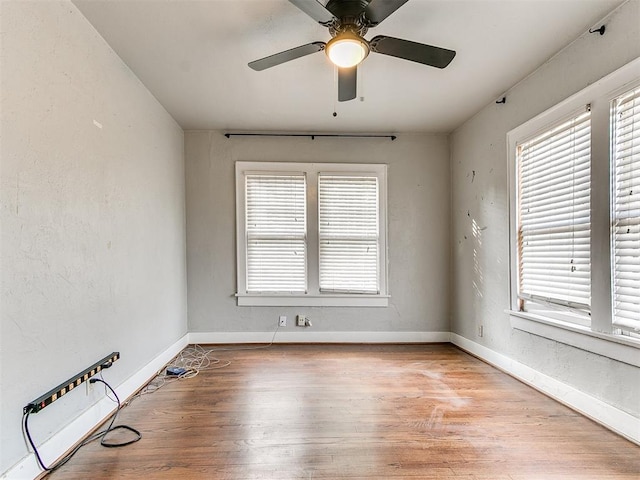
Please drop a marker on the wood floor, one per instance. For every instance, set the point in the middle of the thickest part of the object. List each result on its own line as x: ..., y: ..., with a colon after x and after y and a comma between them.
x: 356, y: 412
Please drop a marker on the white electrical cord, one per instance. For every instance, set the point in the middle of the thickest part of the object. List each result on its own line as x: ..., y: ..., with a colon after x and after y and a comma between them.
x: 193, y: 360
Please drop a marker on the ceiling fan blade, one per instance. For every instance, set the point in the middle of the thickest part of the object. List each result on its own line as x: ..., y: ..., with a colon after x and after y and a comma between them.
x: 315, y: 10
x: 378, y: 10
x: 287, y: 55
x: 416, y: 52
x: 347, y: 83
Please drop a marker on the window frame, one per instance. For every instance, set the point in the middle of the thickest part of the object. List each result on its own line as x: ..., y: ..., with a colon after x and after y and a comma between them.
x: 601, y: 337
x: 313, y: 296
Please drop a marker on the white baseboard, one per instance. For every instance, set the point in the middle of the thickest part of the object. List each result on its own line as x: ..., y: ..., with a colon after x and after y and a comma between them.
x: 613, y: 418
x: 71, y: 434
x: 310, y: 336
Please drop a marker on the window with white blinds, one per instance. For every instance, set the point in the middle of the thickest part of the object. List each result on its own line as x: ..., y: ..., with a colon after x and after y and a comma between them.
x: 348, y: 233
x: 554, y: 215
x: 574, y: 219
x: 311, y: 234
x: 276, y: 228
x: 625, y: 225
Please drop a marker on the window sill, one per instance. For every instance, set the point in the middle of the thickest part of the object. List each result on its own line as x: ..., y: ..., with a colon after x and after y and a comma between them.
x: 245, y: 300
x: 616, y: 347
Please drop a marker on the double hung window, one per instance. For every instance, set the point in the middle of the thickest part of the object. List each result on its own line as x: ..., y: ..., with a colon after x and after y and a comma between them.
x: 575, y: 219
x: 311, y: 234
x: 553, y: 201
x: 276, y: 228
x: 625, y: 210
x: 348, y: 223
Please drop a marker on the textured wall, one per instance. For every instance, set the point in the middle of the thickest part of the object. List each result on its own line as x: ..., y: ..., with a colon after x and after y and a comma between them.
x: 418, y: 214
x: 92, y: 197
x: 480, y: 214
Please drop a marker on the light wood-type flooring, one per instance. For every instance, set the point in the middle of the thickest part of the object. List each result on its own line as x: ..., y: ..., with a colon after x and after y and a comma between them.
x: 356, y: 412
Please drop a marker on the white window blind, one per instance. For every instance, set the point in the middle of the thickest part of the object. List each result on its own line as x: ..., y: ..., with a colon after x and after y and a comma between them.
x: 554, y: 215
x: 626, y: 211
x: 276, y: 227
x: 348, y: 219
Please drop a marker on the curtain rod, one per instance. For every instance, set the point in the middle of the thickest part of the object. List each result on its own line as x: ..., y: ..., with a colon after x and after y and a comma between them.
x: 312, y: 135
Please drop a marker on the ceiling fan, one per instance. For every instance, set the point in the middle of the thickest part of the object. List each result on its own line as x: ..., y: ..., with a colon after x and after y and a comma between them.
x: 348, y: 21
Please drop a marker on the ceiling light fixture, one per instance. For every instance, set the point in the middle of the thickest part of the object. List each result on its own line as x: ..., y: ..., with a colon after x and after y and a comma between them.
x: 347, y: 49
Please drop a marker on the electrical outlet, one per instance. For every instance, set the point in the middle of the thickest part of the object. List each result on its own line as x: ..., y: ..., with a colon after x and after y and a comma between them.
x: 283, y: 321
x: 301, y: 321
x: 480, y: 330
x: 90, y: 387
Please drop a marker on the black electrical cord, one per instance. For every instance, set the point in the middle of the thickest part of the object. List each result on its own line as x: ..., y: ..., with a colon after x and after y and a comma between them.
x: 98, y: 435
x: 25, y: 426
x: 111, y: 428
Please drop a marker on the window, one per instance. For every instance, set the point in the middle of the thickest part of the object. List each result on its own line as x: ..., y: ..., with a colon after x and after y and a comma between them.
x: 276, y: 226
x: 553, y: 202
x: 574, y: 175
x: 349, y: 233
x: 625, y: 211
x: 311, y: 234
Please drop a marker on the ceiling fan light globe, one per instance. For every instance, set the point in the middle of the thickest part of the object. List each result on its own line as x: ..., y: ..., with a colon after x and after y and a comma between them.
x: 347, y: 52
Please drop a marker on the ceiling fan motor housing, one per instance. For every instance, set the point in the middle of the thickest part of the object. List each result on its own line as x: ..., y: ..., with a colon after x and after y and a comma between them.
x: 350, y: 15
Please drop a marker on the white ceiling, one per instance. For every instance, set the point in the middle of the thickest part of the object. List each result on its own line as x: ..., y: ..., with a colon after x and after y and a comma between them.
x: 193, y: 54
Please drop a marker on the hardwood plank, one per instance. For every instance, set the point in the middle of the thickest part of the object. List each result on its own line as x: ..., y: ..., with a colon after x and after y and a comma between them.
x: 356, y: 412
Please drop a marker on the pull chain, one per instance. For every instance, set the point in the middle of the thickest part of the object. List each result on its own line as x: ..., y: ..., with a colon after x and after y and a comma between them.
x: 335, y: 91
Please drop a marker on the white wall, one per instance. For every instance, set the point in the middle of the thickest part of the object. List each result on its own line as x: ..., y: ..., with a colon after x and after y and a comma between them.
x: 93, y: 215
x: 480, y: 226
x: 418, y: 181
